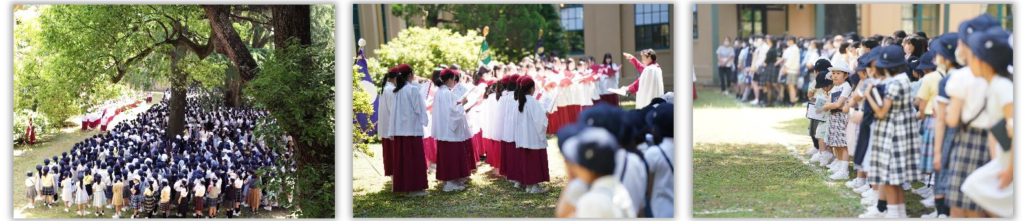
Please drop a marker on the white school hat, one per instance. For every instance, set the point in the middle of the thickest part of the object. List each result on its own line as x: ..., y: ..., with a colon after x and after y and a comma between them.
x: 839, y: 66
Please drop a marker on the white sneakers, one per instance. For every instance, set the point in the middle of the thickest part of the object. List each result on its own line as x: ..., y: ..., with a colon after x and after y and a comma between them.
x: 815, y: 157
x: 812, y: 151
x: 924, y: 192
x: 896, y: 211
x: 872, y: 213
x: 869, y: 192
x: 825, y: 159
x: 928, y: 202
x: 862, y: 188
x: 535, y: 189
x: 906, y: 186
x: 931, y: 215
x: 869, y: 201
x: 840, y: 175
x: 452, y: 186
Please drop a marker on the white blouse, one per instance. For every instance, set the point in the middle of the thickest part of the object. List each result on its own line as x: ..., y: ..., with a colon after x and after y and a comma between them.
x: 449, y: 117
x: 963, y: 84
x: 507, y: 112
x: 385, y: 109
x: 531, y: 129
x: 410, y: 113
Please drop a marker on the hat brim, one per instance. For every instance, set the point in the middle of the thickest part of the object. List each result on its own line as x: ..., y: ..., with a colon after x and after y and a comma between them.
x: 847, y: 70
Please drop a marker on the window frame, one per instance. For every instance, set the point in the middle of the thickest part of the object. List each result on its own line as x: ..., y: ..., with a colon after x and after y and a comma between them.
x: 656, y: 22
x: 573, y: 36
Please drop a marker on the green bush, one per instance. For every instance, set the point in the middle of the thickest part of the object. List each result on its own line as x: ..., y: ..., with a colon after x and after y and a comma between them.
x: 426, y: 49
x: 39, y: 120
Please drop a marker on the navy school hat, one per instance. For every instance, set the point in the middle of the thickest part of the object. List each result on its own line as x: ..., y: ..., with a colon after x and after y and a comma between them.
x: 593, y: 148
x: 926, y: 63
x: 891, y: 56
x: 821, y: 80
x: 864, y: 61
x: 605, y: 116
x: 977, y: 24
x: 992, y: 46
x: 945, y: 46
x: 822, y: 65
x: 661, y: 118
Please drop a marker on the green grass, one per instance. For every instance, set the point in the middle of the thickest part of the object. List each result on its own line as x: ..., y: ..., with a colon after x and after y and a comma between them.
x: 713, y: 98
x: 487, y: 195
x: 796, y: 126
x: 765, y: 179
x: 62, y: 142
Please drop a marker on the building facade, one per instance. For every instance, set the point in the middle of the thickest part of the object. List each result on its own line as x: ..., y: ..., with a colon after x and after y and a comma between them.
x: 713, y: 23
x: 592, y: 29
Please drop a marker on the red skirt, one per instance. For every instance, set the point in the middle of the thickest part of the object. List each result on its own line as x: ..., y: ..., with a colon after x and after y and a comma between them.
x: 478, y: 146
x: 410, y: 171
x: 611, y: 99
x: 388, y: 155
x: 510, y: 163
x: 85, y: 124
x: 535, y: 166
x: 452, y: 160
x: 493, y: 149
x: 430, y: 150
x: 471, y: 153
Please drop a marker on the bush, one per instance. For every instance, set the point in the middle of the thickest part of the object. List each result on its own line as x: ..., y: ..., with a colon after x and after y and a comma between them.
x: 39, y: 120
x: 426, y: 49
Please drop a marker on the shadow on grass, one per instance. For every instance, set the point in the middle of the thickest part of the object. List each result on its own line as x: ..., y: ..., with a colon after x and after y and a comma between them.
x: 485, y: 196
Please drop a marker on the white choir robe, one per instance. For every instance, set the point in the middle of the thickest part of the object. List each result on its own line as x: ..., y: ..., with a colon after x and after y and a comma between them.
x: 489, y: 117
x: 410, y: 112
x: 474, y: 105
x: 507, y: 112
x: 385, y: 111
x: 532, y: 125
x: 651, y: 85
x: 450, y: 123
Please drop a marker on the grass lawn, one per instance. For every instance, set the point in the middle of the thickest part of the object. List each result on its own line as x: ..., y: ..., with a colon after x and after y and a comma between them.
x: 713, y: 98
x: 62, y: 142
x: 764, y: 181
x: 487, y: 195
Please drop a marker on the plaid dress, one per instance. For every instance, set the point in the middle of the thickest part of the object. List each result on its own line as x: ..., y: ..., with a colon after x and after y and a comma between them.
x: 969, y: 152
x: 896, y: 138
x: 927, y: 144
x: 836, y: 124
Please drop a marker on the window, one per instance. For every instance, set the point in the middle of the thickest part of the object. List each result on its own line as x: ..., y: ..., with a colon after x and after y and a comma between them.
x: 921, y: 17
x: 572, y: 25
x: 355, y: 23
x: 1003, y: 13
x: 694, y: 21
x: 751, y: 19
x: 652, y: 28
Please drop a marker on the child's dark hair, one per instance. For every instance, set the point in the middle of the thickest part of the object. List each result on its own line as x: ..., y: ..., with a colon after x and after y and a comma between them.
x: 479, y: 75
x: 385, y: 79
x: 435, y: 77
x: 402, y: 79
x: 521, y: 93
x: 498, y: 88
x: 842, y: 47
x: 893, y: 71
x: 445, y: 78
x: 920, y: 45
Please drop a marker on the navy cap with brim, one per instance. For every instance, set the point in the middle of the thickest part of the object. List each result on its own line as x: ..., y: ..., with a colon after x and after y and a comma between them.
x: 593, y: 148
x: 891, y: 56
x: 661, y: 118
x: 926, y: 61
x: 975, y: 25
x: 864, y: 61
x: 992, y: 46
x: 945, y: 46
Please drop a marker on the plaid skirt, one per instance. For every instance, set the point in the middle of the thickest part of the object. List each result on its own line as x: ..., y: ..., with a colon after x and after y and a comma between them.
x: 47, y: 191
x: 165, y: 207
x: 137, y: 202
x: 150, y: 203
x: 893, y: 161
x: 836, y: 129
x: 970, y: 152
x: 211, y: 202
x: 941, y: 186
x: 927, y: 142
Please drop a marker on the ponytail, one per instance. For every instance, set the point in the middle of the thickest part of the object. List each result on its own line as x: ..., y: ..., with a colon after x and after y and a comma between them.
x: 401, y: 81
x: 521, y: 94
x: 384, y: 81
x: 498, y: 88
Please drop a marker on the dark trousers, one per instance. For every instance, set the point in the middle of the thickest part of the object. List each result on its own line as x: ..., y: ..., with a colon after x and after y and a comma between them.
x: 726, y: 77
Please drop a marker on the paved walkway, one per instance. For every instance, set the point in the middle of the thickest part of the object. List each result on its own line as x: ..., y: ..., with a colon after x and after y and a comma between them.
x: 746, y: 125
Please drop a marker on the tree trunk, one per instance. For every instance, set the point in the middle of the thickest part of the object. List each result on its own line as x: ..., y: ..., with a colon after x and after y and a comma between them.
x: 176, y: 119
x: 235, y: 48
x: 291, y: 21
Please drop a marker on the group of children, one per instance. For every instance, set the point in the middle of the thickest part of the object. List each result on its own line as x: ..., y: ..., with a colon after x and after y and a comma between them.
x: 502, y: 114
x: 213, y: 165
x: 913, y: 109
